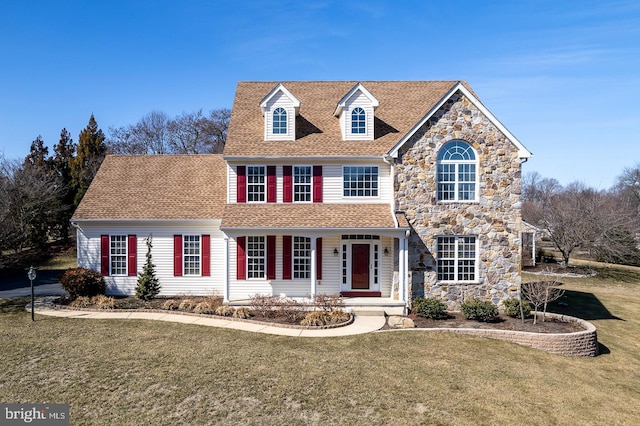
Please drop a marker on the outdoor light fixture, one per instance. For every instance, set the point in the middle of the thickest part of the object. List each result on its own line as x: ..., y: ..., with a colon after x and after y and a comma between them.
x: 386, y: 251
x: 32, y: 276
x: 335, y: 252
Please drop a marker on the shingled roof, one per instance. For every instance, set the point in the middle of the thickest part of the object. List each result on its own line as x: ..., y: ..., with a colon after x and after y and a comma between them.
x: 402, y: 105
x: 308, y: 216
x: 157, y: 187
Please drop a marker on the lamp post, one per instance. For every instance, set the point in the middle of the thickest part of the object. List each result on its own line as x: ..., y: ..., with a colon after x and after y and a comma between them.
x: 32, y: 276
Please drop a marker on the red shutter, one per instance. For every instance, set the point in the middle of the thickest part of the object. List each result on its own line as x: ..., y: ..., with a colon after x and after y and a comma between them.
x: 104, y: 255
x: 317, y: 184
x: 271, y: 257
x: 286, y: 257
x: 287, y: 184
x: 319, y: 258
x: 271, y: 184
x: 241, y: 258
x: 177, y: 255
x: 132, y: 255
x: 206, y: 255
x: 241, y: 187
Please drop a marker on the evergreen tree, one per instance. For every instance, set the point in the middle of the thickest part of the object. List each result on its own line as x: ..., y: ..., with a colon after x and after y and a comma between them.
x: 38, y: 154
x: 61, y: 163
x: 148, y: 285
x: 91, y: 151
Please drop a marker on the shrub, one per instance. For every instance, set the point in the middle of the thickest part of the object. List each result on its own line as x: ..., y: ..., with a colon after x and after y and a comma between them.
x: 82, y: 282
x: 316, y: 318
x: 81, y: 302
x: 291, y: 309
x: 148, y: 285
x: 263, y: 305
x: 511, y: 307
x: 479, y: 310
x: 225, y: 311
x: 243, y: 313
x: 187, y: 305
x: 429, y: 307
x: 103, y: 302
x: 171, y: 305
x: 328, y: 302
x: 205, y: 307
x: 339, y: 316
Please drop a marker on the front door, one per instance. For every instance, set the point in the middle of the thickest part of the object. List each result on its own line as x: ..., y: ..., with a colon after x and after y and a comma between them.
x: 360, y: 266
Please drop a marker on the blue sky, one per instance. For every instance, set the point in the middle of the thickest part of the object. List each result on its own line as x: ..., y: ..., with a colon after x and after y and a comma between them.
x: 563, y: 76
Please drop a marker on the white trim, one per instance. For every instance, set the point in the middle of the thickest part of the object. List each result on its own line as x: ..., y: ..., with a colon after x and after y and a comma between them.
x: 199, y: 274
x: 522, y: 151
x: 358, y: 87
x: 126, y: 255
x: 280, y: 88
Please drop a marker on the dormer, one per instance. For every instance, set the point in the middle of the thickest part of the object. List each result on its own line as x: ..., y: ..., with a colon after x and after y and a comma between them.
x: 279, y: 109
x: 356, y: 112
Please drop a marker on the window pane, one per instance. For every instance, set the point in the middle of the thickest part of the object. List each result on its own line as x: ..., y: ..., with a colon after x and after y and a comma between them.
x: 279, y: 121
x: 118, y: 254
x: 358, y: 121
x: 456, y: 258
x: 256, y: 186
x: 302, y: 183
x: 360, y: 181
x: 301, y: 257
x: 256, y: 254
x: 456, y: 172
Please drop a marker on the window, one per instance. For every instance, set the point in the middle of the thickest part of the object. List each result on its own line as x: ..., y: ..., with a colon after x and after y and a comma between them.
x: 302, y: 183
x: 279, y: 121
x: 191, y: 254
x: 457, y: 172
x: 118, y: 254
x: 358, y: 121
x: 360, y: 181
x: 301, y: 257
x: 256, y: 186
x: 256, y: 256
x: 457, y: 258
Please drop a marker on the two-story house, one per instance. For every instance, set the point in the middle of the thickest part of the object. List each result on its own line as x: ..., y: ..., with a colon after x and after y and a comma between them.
x: 367, y: 189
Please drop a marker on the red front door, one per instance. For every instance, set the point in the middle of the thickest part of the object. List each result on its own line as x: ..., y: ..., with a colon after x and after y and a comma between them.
x: 360, y: 266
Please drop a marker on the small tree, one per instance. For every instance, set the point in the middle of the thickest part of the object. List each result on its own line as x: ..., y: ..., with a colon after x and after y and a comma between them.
x: 148, y: 285
x: 540, y: 293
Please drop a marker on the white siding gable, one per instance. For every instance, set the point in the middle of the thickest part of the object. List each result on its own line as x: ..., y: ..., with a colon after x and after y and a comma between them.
x: 358, y: 97
x: 280, y: 97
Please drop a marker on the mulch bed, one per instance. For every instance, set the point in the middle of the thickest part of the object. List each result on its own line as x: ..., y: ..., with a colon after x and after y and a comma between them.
x: 456, y: 320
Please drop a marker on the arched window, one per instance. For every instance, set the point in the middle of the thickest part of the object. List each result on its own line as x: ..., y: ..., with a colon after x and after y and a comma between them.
x: 280, y: 121
x: 358, y: 121
x: 457, y: 172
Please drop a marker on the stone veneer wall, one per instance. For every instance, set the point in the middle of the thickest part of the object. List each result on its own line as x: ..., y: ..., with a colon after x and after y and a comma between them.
x: 495, y: 220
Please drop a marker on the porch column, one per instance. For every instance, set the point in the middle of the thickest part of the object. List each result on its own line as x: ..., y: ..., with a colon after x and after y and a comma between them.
x: 403, y: 268
x: 225, y: 291
x: 314, y: 267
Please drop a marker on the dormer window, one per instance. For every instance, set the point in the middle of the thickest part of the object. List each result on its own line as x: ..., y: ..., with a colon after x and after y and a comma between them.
x: 356, y: 113
x: 279, y: 109
x: 358, y: 121
x: 280, y: 121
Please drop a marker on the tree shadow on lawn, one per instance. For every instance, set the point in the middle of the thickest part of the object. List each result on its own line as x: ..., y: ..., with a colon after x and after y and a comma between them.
x: 581, y: 305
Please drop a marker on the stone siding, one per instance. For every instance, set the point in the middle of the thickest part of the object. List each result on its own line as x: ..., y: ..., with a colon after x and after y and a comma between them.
x: 494, y: 219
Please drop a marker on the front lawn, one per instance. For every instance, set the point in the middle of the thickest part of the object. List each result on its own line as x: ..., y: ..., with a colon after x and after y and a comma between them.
x: 144, y: 372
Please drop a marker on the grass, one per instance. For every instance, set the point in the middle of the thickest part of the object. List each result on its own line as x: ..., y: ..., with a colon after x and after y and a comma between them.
x: 144, y: 372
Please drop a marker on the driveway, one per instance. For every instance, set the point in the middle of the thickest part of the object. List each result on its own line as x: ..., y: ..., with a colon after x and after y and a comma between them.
x: 16, y: 284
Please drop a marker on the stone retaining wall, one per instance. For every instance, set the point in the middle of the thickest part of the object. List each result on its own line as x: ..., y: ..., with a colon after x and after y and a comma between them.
x: 579, y: 343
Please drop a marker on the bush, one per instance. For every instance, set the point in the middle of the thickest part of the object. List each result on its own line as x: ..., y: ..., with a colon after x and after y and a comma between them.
x: 316, y: 318
x: 187, y: 305
x: 429, y: 307
x: 243, y: 313
x: 82, y: 282
x: 479, y: 310
x: 103, y: 302
x: 171, y: 305
x: 338, y: 316
x: 511, y: 307
x: 205, y: 307
x: 225, y: 311
x: 81, y: 302
x: 328, y: 302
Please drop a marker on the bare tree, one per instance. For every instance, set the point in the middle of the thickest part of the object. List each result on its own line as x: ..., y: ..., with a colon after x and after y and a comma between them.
x: 188, y: 133
x: 540, y: 293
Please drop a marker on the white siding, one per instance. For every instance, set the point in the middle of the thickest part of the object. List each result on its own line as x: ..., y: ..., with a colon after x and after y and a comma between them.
x: 331, y: 183
x: 162, y: 256
x: 357, y: 100
x: 280, y: 100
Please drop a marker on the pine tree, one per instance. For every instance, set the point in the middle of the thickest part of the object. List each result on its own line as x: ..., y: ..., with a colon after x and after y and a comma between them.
x: 61, y: 162
x: 91, y: 151
x: 148, y: 285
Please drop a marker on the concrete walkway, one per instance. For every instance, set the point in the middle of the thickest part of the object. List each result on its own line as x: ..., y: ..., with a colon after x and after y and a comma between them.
x: 362, y: 323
